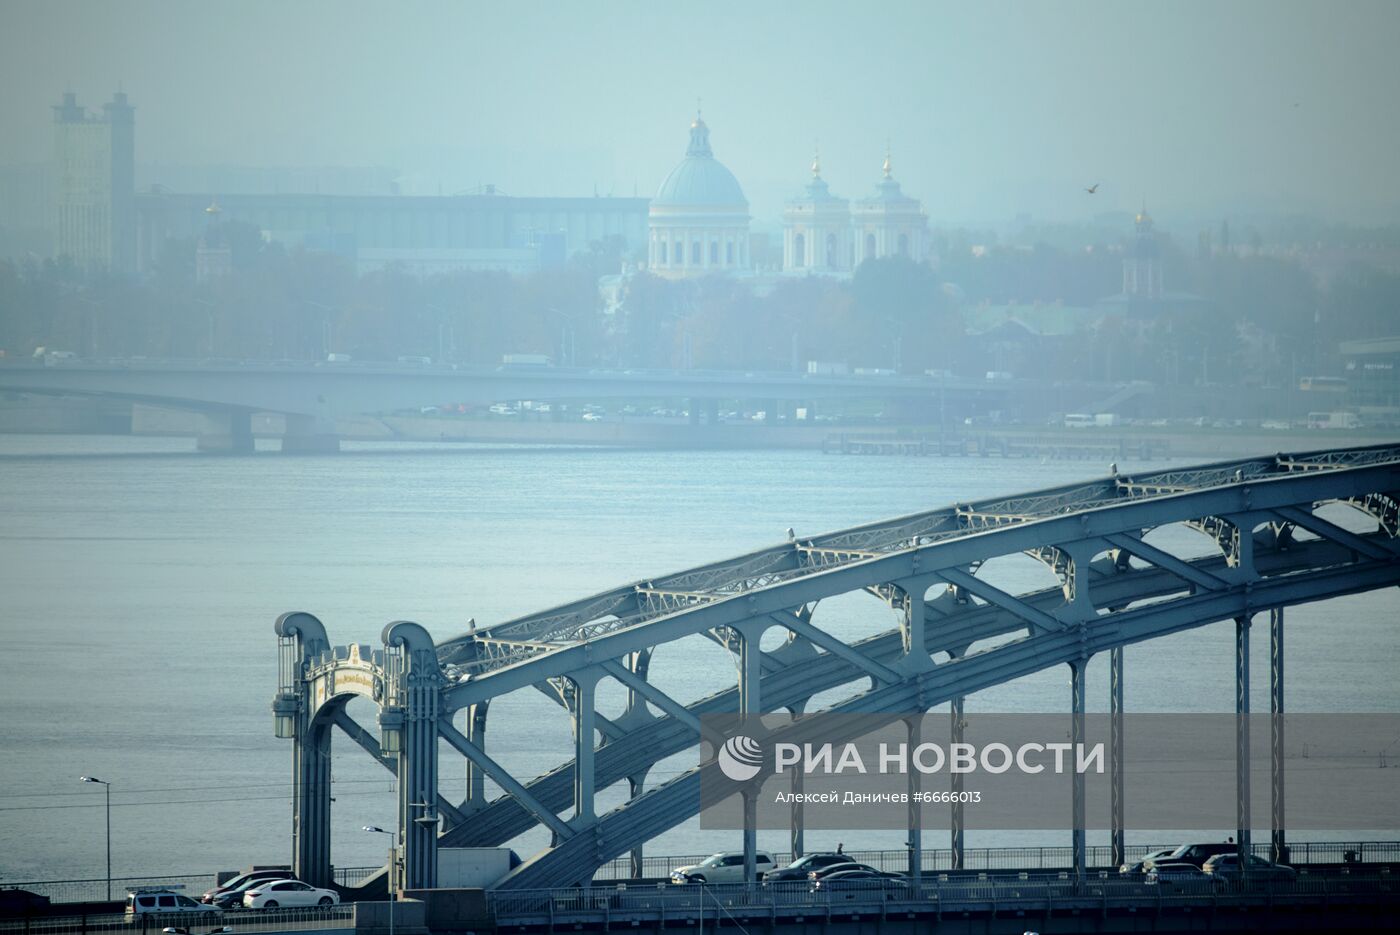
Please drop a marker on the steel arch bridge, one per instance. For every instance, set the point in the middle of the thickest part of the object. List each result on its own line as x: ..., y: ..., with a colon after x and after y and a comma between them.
x: 1273, y: 550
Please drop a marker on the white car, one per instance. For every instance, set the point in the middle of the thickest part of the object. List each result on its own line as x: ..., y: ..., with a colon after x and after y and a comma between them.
x: 724, y: 867
x: 274, y: 894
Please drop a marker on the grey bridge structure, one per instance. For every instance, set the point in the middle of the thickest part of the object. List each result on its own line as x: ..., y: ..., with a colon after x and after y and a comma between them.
x: 313, y: 395
x: 958, y: 634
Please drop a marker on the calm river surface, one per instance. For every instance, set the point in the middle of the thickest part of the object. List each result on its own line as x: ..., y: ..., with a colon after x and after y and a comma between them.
x: 139, y: 584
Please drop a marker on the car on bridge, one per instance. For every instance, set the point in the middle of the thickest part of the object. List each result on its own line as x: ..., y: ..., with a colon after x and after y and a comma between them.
x: 160, y: 899
x: 1173, y: 872
x: 277, y: 894
x: 724, y: 867
x: 1196, y: 854
x: 802, y: 866
x: 1142, y: 866
x: 1227, y: 867
x: 830, y: 869
x: 240, y: 884
x: 862, y: 884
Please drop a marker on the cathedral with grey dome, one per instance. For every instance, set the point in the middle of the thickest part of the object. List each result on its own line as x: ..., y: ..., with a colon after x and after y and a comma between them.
x: 699, y: 221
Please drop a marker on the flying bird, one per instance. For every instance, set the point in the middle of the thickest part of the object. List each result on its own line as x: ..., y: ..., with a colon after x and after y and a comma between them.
x: 1092, y: 188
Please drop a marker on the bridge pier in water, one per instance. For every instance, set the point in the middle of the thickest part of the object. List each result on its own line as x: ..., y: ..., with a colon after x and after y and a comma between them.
x: 309, y: 435
x: 228, y: 432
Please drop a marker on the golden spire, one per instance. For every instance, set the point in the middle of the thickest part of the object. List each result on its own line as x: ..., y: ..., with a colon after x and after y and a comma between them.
x: 816, y: 161
x: 213, y: 207
x: 888, y: 167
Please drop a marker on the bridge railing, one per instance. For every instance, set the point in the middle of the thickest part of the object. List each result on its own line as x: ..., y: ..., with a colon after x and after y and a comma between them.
x: 311, y: 918
x: 937, y: 893
x: 1024, y: 858
x: 192, y: 885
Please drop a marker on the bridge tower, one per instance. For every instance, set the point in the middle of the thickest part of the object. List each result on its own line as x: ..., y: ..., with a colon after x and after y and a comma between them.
x: 315, y: 683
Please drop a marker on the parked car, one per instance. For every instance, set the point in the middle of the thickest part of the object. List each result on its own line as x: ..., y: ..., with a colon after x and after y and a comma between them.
x: 799, y: 868
x: 241, y: 882
x: 147, y: 901
x: 1227, y: 867
x: 275, y: 894
x: 724, y: 867
x: 1142, y: 866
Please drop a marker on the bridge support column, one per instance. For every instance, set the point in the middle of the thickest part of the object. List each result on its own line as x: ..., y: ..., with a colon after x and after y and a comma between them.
x: 916, y: 657
x: 228, y: 433
x: 914, y: 727
x: 711, y: 411
x: 309, y: 435
x: 1115, y: 742
x: 301, y: 637
x: 476, y: 777
x: 585, y: 723
x: 956, y: 709
x: 750, y: 708
x: 693, y: 406
x: 1076, y: 738
x: 1278, y: 845
x: 797, y: 818
x: 636, y: 785
x: 1242, y: 805
x: 412, y: 683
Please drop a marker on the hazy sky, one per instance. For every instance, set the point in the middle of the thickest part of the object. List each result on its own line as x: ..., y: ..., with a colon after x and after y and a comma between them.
x: 990, y: 108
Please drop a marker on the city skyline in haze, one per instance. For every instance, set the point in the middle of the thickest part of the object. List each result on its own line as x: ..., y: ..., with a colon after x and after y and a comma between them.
x: 989, y: 110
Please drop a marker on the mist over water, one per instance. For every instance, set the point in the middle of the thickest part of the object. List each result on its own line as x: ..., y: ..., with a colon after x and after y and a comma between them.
x: 140, y: 590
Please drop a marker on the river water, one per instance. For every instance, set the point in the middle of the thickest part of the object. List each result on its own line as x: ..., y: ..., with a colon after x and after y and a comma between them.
x: 139, y: 583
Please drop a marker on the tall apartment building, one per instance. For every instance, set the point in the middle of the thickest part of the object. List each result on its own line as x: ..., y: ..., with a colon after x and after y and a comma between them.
x: 94, y: 182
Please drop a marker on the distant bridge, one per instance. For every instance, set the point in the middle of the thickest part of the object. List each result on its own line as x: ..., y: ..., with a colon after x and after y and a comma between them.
x: 1271, y: 549
x: 313, y: 395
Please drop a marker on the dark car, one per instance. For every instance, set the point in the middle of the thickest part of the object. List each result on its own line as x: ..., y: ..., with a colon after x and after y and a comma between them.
x: 1142, y: 866
x: 240, y: 882
x: 1173, y: 871
x: 862, y: 884
x: 829, y: 869
x: 1227, y: 867
x: 799, y: 868
x: 1198, y: 854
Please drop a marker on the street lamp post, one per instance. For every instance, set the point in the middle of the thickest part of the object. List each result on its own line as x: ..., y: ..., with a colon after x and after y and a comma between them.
x: 107, y: 787
x: 375, y: 829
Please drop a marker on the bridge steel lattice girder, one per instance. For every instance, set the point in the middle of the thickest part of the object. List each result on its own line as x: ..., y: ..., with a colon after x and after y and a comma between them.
x: 619, y: 609
x: 953, y: 633
x: 504, y: 779
x: 667, y: 805
x: 777, y: 581
x: 1274, y: 493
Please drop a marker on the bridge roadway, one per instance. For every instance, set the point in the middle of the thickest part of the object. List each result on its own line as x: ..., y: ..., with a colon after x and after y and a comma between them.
x: 1012, y: 903
x: 1272, y: 550
x: 322, y: 392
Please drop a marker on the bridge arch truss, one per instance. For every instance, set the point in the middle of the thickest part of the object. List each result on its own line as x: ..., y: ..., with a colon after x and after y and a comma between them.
x: 958, y: 634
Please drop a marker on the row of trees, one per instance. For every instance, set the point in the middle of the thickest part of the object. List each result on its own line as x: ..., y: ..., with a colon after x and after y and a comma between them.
x: 1265, y: 318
